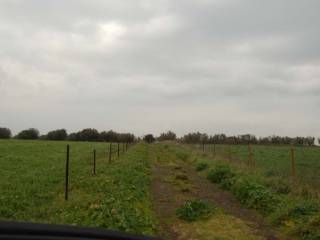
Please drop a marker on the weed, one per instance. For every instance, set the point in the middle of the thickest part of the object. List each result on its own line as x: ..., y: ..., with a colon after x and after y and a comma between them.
x: 194, y: 210
x: 220, y: 173
x: 255, y: 195
x: 201, y: 166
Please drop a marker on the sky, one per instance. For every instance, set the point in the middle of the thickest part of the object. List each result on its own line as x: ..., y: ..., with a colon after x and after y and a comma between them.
x: 231, y: 66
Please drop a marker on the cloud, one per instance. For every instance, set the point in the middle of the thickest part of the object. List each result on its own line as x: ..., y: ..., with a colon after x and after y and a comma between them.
x: 149, y: 66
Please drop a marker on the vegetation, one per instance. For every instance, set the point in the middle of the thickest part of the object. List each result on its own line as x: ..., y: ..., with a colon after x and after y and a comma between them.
x: 200, y: 138
x: 32, y: 180
x: 201, y: 166
x: 168, y: 136
x: 30, y: 133
x: 32, y: 185
x: 58, y: 135
x: 194, y: 210
x: 295, y: 214
x: 149, y: 138
x: 5, y: 133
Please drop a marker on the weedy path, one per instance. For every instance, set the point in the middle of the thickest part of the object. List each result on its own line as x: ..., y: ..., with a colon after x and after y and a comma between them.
x: 175, y: 181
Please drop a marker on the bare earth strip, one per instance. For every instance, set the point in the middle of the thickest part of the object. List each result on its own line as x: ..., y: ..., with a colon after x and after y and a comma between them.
x: 175, y: 181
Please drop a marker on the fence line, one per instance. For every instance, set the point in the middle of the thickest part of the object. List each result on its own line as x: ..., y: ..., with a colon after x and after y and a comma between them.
x: 109, y: 155
x: 292, y: 162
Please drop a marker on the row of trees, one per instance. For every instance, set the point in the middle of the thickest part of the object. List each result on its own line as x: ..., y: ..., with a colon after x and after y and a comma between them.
x: 88, y: 134
x: 91, y: 134
x: 197, y: 138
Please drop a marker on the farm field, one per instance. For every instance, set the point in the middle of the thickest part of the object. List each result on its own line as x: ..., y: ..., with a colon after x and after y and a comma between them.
x: 161, y: 189
x: 274, y: 160
x: 32, y: 185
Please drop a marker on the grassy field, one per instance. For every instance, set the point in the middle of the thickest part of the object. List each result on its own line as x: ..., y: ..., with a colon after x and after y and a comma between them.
x: 32, y: 185
x: 141, y: 191
x: 275, y: 160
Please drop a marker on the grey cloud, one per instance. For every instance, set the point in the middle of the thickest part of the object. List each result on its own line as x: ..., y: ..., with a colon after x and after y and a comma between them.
x: 220, y: 65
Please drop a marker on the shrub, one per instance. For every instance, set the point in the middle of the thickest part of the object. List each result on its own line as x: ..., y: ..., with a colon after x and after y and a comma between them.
x: 255, y: 195
x: 182, y: 155
x: 201, y: 166
x: 149, y: 138
x: 30, y: 133
x: 193, y: 210
x: 5, y: 133
x: 59, y: 134
x: 295, y: 210
x: 220, y: 173
x: 167, y: 136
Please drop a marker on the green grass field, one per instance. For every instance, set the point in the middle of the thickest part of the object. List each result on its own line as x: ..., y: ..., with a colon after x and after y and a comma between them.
x: 119, y: 196
x: 32, y: 185
x: 275, y: 160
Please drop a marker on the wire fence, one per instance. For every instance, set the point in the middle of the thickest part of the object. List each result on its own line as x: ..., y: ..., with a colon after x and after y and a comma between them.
x: 295, y: 162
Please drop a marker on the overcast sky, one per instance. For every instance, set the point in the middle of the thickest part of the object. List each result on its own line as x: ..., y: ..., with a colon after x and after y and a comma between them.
x: 232, y: 66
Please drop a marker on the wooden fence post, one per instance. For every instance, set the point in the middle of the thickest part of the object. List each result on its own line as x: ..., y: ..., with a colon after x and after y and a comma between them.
x: 249, y: 154
x: 229, y: 152
x: 118, y: 150
x: 94, y: 162
x: 251, y: 160
x: 67, y: 174
x: 293, y: 163
x: 110, y: 152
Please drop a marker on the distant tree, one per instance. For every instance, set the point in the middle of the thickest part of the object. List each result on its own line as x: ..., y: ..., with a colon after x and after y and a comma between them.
x: 73, y: 137
x: 310, y: 141
x: 5, y: 133
x: 30, y: 133
x: 167, y: 136
x: 59, y: 134
x: 89, y: 134
x: 149, y: 138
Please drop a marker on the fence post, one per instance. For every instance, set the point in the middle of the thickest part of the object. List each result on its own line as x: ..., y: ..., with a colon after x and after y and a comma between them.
x: 67, y: 174
x: 118, y: 150
x: 229, y: 152
x: 110, y: 152
x: 94, y: 162
x: 249, y: 154
x: 293, y: 163
x: 123, y: 147
x: 214, y: 150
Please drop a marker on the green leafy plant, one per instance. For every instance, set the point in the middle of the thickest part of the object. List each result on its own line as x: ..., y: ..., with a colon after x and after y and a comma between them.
x: 201, y: 166
x: 255, y: 195
x: 194, y: 210
x: 220, y: 173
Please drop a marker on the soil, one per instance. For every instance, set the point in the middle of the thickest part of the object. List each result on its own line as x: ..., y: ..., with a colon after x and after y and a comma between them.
x: 167, y: 196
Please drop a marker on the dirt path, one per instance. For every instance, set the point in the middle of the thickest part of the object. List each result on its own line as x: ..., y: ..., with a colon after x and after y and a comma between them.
x: 175, y: 181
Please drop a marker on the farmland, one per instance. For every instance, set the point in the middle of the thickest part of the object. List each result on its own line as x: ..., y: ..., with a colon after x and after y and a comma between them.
x: 154, y: 189
x: 274, y: 160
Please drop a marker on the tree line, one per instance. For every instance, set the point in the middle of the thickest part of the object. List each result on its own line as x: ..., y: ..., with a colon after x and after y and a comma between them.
x: 91, y: 134
x: 88, y: 134
x: 199, y: 138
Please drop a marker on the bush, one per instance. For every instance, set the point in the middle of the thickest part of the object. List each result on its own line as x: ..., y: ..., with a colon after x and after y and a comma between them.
x: 30, y: 133
x: 181, y: 154
x: 5, y: 133
x: 295, y: 211
x: 194, y: 210
x: 220, y: 173
x: 59, y: 134
x: 255, y: 195
x: 201, y: 166
x: 149, y: 138
x: 167, y: 136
